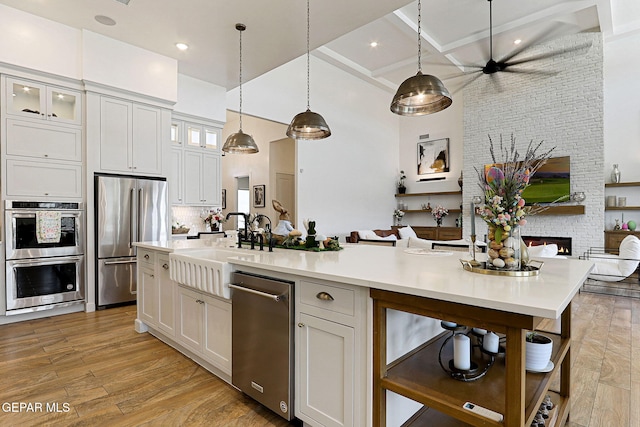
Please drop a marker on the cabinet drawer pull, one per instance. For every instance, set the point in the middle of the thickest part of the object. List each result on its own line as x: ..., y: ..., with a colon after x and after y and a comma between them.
x: 165, y: 266
x: 300, y: 325
x: 324, y: 296
x: 146, y: 256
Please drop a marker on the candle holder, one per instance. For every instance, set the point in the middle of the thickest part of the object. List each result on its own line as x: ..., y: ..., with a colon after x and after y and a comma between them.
x: 475, y: 371
x: 473, y: 262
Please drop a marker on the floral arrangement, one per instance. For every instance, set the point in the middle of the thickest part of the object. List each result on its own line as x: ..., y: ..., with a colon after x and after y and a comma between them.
x: 439, y: 212
x: 215, y: 217
x: 398, y: 214
x: 503, y: 184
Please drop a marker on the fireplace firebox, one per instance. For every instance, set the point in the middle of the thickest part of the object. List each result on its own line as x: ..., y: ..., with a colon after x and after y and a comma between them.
x: 564, y: 243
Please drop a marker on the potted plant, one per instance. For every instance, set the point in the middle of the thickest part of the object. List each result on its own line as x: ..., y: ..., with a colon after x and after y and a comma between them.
x: 401, y: 187
x: 538, y: 352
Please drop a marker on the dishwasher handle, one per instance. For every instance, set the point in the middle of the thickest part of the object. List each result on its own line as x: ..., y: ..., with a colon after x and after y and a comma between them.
x: 276, y: 298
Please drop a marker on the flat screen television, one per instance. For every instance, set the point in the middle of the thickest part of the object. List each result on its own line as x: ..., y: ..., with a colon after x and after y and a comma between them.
x: 550, y: 183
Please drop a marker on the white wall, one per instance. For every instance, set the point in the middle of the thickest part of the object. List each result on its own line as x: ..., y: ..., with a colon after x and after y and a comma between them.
x: 345, y: 182
x: 444, y: 124
x: 622, y: 107
x: 201, y: 99
x: 39, y: 44
x: 563, y: 110
x: 120, y: 65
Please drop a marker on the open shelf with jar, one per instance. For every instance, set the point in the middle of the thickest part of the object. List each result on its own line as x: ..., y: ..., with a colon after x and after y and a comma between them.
x: 626, y: 207
x: 506, y: 388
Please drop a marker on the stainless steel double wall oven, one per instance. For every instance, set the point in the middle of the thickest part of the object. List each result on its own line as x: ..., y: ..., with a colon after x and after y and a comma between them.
x: 43, y: 274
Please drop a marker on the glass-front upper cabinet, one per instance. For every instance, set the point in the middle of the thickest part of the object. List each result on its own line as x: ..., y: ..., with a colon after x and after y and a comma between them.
x: 38, y: 101
x: 203, y: 136
x: 176, y: 133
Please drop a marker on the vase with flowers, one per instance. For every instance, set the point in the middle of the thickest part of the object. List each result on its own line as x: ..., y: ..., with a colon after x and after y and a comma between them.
x: 504, y: 209
x: 398, y: 215
x: 213, y: 220
x: 438, y: 214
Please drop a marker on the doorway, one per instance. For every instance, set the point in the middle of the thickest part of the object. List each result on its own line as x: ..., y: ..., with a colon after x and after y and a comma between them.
x: 243, y: 199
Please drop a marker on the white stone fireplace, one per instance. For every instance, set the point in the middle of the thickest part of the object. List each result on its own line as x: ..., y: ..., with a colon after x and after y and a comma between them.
x: 565, y: 111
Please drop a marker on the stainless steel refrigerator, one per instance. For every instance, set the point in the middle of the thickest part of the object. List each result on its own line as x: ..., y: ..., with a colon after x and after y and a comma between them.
x: 128, y: 210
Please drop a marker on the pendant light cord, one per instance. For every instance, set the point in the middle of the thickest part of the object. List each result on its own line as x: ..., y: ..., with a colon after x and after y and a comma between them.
x: 419, y: 39
x: 240, y: 30
x: 308, y: 63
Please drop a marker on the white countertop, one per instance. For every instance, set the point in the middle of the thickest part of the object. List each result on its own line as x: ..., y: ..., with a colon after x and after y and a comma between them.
x: 439, y: 277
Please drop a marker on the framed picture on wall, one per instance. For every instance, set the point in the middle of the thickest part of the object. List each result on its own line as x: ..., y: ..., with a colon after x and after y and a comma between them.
x: 433, y: 156
x: 258, y: 196
x: 224, y: 199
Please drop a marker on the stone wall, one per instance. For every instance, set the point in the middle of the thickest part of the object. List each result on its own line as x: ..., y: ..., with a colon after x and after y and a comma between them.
x: 564, y: 109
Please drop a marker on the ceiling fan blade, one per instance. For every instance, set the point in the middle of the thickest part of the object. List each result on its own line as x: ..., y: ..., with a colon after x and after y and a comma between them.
x: 548, y: 34
x: 468, y: 82
x: 549, y: 54
x: 457, y: 76
x: 533, y: 72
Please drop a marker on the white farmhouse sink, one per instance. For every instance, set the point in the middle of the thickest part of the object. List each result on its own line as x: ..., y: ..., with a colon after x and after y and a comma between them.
x: 206, y: 270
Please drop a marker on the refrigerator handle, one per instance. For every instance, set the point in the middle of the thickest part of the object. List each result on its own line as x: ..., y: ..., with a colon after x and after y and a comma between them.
x: 131, y: 218
x: 140, y: 198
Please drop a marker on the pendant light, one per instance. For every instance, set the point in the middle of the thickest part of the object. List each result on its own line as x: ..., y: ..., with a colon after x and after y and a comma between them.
x: 308, y: 125
x: 240, y: 142
x: 422, y: 93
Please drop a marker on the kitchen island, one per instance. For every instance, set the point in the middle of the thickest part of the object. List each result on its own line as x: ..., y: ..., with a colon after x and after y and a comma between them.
x: 434, y: 286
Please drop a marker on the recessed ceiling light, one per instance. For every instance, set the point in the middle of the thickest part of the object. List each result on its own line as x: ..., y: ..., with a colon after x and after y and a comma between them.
x: 517, y: 41
x: 373, y: 44
x: 182, y: 46
x: 105, y: 20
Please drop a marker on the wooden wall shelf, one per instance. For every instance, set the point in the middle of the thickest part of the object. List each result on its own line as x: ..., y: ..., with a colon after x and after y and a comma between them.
x: 622, y: 208
x: 451, y: 211
x: 622, y: 184
x: 436, y: 193
x: 564, y: 210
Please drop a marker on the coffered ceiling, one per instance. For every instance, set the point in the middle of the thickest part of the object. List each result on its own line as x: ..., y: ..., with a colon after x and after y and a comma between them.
x: 453, y: 31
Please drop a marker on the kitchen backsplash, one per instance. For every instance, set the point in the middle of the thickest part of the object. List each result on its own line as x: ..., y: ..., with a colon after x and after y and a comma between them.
x: 189, y: 216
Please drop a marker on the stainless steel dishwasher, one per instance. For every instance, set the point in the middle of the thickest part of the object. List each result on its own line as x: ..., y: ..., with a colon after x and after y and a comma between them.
x: 262, y: 346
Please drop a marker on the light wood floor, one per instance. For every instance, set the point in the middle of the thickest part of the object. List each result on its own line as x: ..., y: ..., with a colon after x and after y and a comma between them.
x: 110, y: 375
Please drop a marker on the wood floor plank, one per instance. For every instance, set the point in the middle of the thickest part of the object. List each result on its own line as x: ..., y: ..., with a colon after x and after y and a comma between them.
x: 611, y: 407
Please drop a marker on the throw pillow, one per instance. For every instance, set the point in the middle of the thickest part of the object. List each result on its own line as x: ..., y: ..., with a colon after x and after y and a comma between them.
x: 415, y: 242
x: 367, y: 234
x: 406, y: 232
x: 543, y: 251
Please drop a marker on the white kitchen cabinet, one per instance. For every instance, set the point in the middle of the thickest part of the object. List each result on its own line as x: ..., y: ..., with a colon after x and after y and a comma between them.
x: 202, y: 136
x: 43, y: 140
x: 147, y: 296
x: 166, y: 297
x: 330, y: 354
x: 43, y: 179
x: 177, y: 133
x: 130, y: 137
x: 205, y: 327
x: 156, y: 292
x: 176, y: 178
x: 201, y: 178
x: 326, y: 371
x: 33, y: 100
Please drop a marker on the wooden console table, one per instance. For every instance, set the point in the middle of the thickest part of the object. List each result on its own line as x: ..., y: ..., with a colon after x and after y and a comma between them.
x: 506, y: 388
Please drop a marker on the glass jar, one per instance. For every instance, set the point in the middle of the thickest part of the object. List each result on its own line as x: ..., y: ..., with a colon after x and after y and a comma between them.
x: 504, y: 248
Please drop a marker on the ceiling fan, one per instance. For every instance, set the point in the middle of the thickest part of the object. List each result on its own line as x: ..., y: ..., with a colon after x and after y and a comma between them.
x: 506, y: 63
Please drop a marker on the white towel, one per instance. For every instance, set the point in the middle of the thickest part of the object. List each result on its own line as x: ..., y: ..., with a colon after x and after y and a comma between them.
x: 48, y: 225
